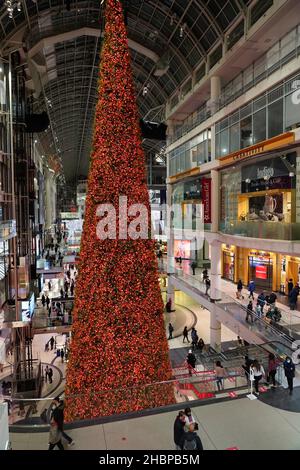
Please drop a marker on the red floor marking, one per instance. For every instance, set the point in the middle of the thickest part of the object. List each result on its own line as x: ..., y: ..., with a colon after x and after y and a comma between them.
x: 232, y: 448
x: 263, y: 389
x: 232, y: 394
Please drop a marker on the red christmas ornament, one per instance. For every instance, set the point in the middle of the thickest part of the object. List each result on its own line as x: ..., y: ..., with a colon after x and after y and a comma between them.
x: 119, y: 350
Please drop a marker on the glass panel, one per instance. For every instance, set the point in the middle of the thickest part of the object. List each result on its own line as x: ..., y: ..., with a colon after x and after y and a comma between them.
x: 246, y: 132
x: 259, y: 126
x: 288, y: 43
x: 234, y: 137
x: 292, y: 112
x: 224, y: 143
x: 275, y: 118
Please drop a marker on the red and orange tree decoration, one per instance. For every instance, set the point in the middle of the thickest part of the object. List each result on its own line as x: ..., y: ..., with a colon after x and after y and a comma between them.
x: 119, y: 344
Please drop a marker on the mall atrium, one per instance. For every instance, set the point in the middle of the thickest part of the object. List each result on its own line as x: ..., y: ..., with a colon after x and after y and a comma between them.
x: 149, y: 225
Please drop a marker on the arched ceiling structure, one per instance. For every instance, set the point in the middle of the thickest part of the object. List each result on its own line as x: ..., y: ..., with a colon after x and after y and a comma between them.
x: 60, y: 41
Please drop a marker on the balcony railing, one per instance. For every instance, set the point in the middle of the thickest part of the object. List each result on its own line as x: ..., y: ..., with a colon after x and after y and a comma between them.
x: 261, y: 229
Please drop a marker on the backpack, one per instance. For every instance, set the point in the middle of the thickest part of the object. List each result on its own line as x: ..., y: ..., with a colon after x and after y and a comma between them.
x: 190, y: 444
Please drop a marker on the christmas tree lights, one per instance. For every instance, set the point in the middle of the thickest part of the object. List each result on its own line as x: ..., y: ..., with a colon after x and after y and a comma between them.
x: 119, y: 343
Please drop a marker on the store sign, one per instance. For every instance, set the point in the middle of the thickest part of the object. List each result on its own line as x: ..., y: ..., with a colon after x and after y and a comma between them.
x: 261, y: 272
x: 69, y: 215
x: 273, y: 173
x: 206, y: 199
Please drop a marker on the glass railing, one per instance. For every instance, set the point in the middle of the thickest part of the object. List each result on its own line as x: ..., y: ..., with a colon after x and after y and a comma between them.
x: 43, y: 321
x: 185, y: 388
x: 261, y: 229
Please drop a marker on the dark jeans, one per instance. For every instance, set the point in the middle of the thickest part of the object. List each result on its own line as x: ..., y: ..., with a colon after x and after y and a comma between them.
x: 249, y: 314
x: 171, y: 335
x: 58, y: 444
x: 186, y: 337
x: 251, y: 295
x: 67, y: 437
x: 272, y: 374
x: 290, y: 382
x: 257, y: 378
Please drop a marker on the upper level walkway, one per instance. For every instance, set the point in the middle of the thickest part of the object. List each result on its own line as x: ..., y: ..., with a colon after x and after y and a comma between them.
x: 232, y: 312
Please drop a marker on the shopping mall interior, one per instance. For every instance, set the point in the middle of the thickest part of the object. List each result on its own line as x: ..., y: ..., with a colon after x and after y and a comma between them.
x: 121, y: 331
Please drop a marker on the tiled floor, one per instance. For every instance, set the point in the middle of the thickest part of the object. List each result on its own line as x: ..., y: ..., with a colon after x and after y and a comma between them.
x: 245, y: 424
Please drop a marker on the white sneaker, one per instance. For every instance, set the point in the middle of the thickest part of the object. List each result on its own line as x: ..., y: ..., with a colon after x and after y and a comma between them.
x: 71, y: 444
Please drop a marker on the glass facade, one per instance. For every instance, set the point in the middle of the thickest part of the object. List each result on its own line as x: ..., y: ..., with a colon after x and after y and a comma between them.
x: 269, y: 115
x: 191, y: 154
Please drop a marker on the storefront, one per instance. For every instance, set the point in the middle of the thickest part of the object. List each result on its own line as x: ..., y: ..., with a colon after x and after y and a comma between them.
x: 260, y: 269
x: 259, y: 200
x: 228, y: 262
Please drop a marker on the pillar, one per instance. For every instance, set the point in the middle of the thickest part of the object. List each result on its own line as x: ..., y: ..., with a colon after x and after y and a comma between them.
x: 215, y: 332
x: 170, y: 232
x: 215, y: 274
x: 215, y: 92
x: 215, y: 202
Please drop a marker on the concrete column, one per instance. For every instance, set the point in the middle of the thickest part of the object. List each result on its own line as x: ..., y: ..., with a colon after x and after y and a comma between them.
x: 170, y: 232
x: 215, y: 274
x: 215, y: 332
x: 215, y: 91
x: 215, y: 191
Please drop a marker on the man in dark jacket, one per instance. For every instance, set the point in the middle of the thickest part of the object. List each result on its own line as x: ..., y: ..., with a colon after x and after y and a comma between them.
x: 58, y: 416
x: 191, y: 440
x: 191, y: 361
x: 179, y: 430
x: 289, y: 370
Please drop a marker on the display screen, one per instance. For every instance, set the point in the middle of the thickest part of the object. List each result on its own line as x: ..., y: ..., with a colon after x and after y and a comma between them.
x: 261, y: 272
x: 182, y: 248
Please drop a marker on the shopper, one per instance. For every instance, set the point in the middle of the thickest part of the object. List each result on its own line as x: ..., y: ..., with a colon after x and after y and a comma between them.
x: 261, y: 299
x: 191, y: 440
x: 251, y: 289
x: 220, y: 374
x: 46, y: 373
x: 179, y: 430
x: 272, y: 369
x: 62, y: 355
x: 43, y: 300
x: 249, y: 311
x: 169, y: 306
x: 258, y: 313
x: 207, y: 284
x: 204, y: 274
x: 191, y: 361
x: 293, y: 298
x: 246, y: 366
x: 55, y: 436
x: 290, y: 286
x: 61, y: 293
x: 189, y: 418
x: 194, y: 338
x: 240, y: 342
x: 194, y: 266
x: 258, y: 372
x: 201, y: 345
x: 239, y: 290
x: 58, y: 416
x: 50, y: 375
x: 289, y: 371
x: 272, y: 298
x: 47, y: 301
x: 185, y: 335
x: 49, y: 285
x: 171, y: 329
x: 51, y: 341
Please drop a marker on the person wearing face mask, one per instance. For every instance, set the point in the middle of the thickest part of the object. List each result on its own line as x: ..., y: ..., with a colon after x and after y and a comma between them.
x: 289, y: 370
x: 189, y: 418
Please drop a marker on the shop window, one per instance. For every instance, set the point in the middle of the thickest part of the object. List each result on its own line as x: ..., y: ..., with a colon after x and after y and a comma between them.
x: 218, y: 145
x: 259, y: 10
x: 224, y: 142
x: 275, y: 118
x: 246, y: 132
x: 259, y: 126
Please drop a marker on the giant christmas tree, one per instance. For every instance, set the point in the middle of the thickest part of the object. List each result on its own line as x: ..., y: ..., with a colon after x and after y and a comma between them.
x: 119, y: 345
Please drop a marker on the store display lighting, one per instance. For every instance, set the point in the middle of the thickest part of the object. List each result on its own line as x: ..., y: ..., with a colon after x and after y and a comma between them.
x: 145, y: 90
x: 12, y: 5
x: 248, y: 180
x: 182, y: 30
x: 291, y: 174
